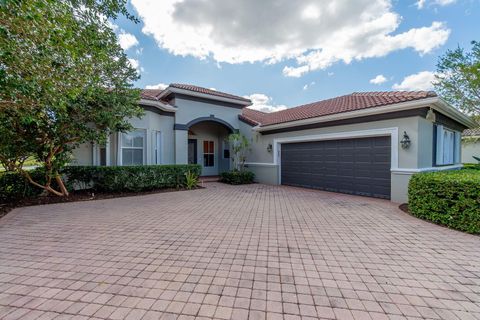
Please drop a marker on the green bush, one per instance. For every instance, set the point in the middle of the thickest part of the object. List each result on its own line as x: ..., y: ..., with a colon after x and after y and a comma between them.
x: 237, y: 177
x: 130, y: 178
x: 450, y: 198
x: 14, y: 187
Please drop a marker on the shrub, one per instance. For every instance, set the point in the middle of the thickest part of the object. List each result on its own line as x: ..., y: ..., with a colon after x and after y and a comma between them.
x: 191, y: 180
x: 14, y: 187
x: 130, y: 178
x: 237, y: 177
x: 450, y: 198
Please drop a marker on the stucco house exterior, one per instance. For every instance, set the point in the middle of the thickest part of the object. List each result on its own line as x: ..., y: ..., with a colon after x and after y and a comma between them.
x: 366, y: 143
x: 470, y: 145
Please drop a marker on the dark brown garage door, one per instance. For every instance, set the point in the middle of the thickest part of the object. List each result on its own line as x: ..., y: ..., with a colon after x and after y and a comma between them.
x: 355, y: 166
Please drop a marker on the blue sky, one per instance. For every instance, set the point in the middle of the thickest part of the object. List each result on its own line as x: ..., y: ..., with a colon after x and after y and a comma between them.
x: 286, y: 53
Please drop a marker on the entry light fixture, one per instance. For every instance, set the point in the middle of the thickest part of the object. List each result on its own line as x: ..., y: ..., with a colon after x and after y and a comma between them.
x: 405, y: 142
x: 269, y: 147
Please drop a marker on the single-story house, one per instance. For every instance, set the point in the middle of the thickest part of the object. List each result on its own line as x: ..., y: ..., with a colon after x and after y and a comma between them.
x: 470, y: 145
x: 366, y: 143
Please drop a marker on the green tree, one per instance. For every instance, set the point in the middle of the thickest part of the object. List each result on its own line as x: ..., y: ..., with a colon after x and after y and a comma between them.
x: 239, y: 146
x: 64, y: 80
x: 458, y: 78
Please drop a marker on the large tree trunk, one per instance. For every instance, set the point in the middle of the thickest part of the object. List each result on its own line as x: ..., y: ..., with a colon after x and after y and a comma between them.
x: 47, y: 187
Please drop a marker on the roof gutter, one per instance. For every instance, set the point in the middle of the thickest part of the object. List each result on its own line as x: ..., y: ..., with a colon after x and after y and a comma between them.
x: 433, y: 102
x: 169, y: 90
x: 157, y: 104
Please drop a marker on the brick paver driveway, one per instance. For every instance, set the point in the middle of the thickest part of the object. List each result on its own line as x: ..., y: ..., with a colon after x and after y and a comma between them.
x: 256, y: 252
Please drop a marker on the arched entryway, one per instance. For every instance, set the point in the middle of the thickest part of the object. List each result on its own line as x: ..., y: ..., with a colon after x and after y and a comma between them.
x: 208, y: 146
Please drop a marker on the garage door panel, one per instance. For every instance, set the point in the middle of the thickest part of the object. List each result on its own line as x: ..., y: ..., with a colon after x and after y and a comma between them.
x: 355, y: 166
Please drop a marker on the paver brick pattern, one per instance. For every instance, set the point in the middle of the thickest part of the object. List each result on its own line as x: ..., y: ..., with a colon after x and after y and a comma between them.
x: 234, y: 252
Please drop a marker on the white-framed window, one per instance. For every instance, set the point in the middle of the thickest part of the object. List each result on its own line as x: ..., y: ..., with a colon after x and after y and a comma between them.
x: 133, y: 147
x: 157, y: 147
x: 447, y: 146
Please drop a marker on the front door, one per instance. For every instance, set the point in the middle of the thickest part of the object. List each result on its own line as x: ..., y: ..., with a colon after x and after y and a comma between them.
x: 209, y: 157
x: 192, y: 151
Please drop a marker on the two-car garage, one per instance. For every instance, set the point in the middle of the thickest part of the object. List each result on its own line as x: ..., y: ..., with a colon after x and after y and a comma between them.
x: 358, y: 166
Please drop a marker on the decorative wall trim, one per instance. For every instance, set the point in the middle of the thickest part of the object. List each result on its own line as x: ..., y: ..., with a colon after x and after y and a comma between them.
x: 158, y: 111
x: 410, y: 171
x: 260, y: 164
x: 179, y: 126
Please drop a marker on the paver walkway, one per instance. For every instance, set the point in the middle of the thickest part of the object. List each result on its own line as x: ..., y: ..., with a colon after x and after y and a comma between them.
x: 226, y: 252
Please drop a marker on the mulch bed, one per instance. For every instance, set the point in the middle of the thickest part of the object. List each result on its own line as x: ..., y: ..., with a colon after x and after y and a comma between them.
x: 81, y: 195
x: 404, y: 208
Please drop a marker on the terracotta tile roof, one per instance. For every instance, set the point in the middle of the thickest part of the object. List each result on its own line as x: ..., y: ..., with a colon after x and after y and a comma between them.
x: 471, y: 132
x: 253, y: 117
x: 351, y: 102
x: 207, y: 91
x: 152, y: 92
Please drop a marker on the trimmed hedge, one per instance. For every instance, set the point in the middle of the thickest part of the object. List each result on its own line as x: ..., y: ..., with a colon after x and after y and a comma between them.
x: 13, y: 187
x: 237, y: 177
x: 450, y: 198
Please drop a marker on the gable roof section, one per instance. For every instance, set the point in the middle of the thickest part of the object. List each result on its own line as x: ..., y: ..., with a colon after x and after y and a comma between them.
x: 151, y: 92
x: 148, y: 97
x: 197, y: 89
x: 346, y: 103
x: 252, y: 117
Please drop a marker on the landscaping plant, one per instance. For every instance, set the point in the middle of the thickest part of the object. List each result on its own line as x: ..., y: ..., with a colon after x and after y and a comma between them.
x: 239, y: 147
x: 13, y: 186
x: 64, y: 80
x: 450, y: 198
x: 191, y: 179
x: 457, y: 79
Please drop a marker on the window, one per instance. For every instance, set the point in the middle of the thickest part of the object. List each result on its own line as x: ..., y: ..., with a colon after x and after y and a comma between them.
x: 226, y: 150
x: 133, y: 147
x: 447, y: 146
x: 208, y: 154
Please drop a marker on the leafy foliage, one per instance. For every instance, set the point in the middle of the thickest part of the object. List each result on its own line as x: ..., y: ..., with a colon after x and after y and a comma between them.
x: 14, y: 187
x: 239, y: 145
x: 450, y: 198
x: 237, y: 177
x: 191, y: 180
x: 458, y: 78
x: 64, y: 80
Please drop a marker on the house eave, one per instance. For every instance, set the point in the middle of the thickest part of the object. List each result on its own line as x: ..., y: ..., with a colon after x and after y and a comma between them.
x: 157, y: 104
x: 434, y: 102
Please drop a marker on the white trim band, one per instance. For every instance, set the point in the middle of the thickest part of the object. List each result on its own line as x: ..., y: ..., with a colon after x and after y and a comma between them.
x: 417, y: 170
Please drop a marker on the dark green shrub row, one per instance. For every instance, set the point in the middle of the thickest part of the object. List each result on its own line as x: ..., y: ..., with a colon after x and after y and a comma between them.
x: 450, y: 198
x: 130, y: 178
x: 237, y: 177
x: 14, y: 187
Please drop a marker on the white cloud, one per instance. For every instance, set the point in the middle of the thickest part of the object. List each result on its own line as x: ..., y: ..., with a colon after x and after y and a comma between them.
x: 135, y: 64
x: 127, y: 40
x: 264, y: 103
x: 378, y: 79
x: 418, y: 81
x: 160, y: 86
x: 309, y: 35
x: 308, y: 85
x: 421, y: 3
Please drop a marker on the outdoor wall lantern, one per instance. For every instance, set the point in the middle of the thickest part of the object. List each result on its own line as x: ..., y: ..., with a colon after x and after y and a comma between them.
x: 405, y: 142
x: 269, y: 147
